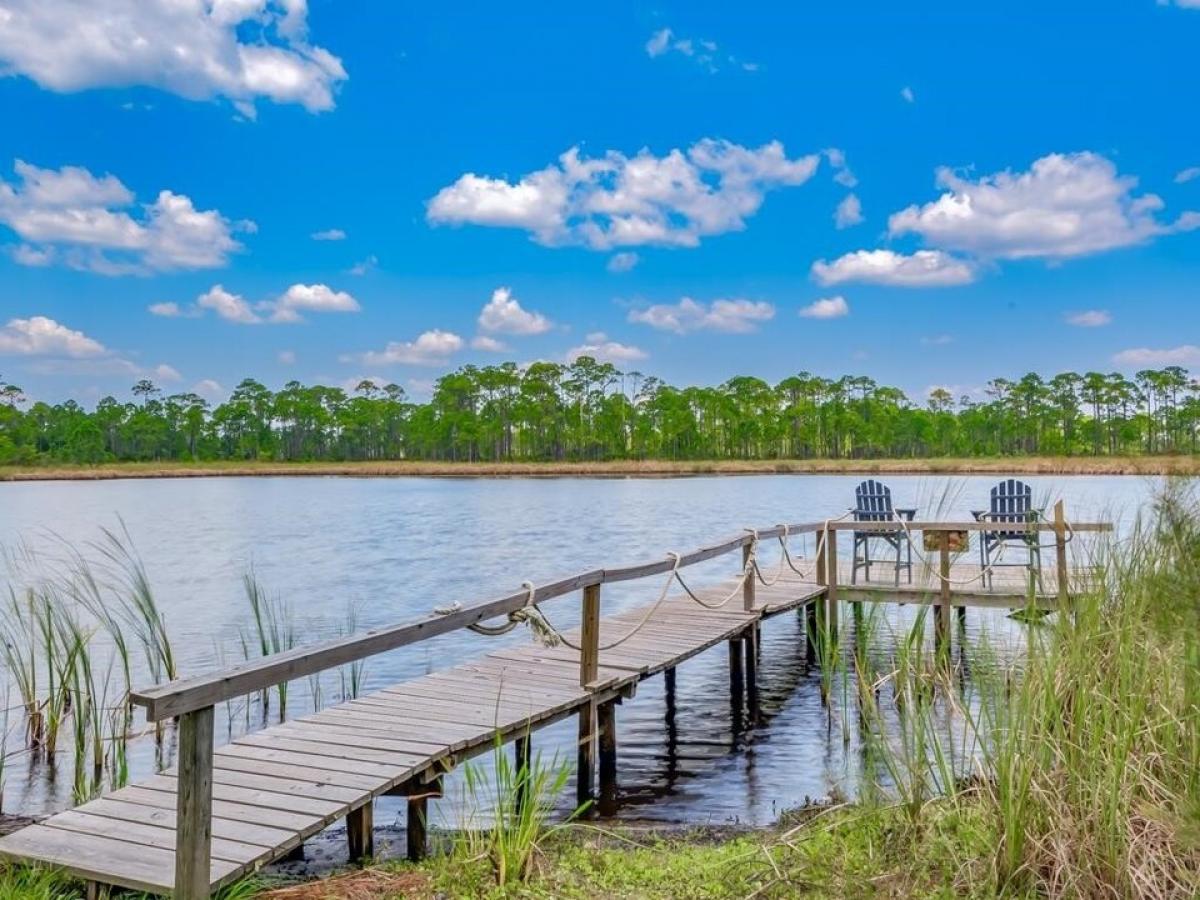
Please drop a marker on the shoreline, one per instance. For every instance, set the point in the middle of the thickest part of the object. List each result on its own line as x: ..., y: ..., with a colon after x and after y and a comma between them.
x: 1024, y: 465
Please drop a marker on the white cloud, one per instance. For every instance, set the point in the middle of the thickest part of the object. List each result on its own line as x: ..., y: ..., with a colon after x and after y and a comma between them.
x: 229, y: 306
x: 199, y: 49
x: 907, y: 94
x: 209, y: 389
x: 42, y: 336
x: 937, y: 340
x: 310, y: 298
x: 1183, y: 355
x: 925, y: 268
x: 703, y: 52
x: 1191, y: 173
x: 286, y: 357
x: 35, y: 257
x: 730, y: 316
x: 169, y: 310
x: 503, y: 314
x: 163, y: 372
x: 1089, y: 318
x: 71, y: 215
x: 848, y: 212
x: 841, y: 170
x: 622, y: 262
x: 488, y: 344
x: 827, y: 308
x: 1066, y: 205
x: 364, y: 266
x: 619, y: 201
x: 598, y: 346
x: 329, y: 234
x: 431, y: 348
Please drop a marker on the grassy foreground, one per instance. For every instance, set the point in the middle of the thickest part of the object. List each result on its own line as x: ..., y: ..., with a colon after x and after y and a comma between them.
x: 1047, y: 465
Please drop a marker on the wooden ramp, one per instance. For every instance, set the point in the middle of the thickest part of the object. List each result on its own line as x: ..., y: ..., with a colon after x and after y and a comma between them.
x: 272, y: 789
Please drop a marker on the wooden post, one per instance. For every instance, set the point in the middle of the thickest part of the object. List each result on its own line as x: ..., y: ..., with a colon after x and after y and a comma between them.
x: 748, y: 585
x: 831, y: 595
x: 522, y: 761
x: 736, y: 700
x: 193, y: 807
x: 589, y: 669
x: 360, y: 832
x: 606, y: 719
x: 1060, y: 554
x: 415, y: 826
x: 941, y: 612
x: 750, y: 655
x: 814, y: 624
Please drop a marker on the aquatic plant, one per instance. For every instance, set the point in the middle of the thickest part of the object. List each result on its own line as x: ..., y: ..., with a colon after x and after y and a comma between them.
x: 275, y: 631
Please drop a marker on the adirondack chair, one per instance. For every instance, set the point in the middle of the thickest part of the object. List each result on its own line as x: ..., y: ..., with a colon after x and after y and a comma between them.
x: 1011, y: 501
x: 873, y: 503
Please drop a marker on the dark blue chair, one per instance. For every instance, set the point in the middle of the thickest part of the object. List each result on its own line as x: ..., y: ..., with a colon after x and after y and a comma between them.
x: 873, y: 503
x: 1011, y: 501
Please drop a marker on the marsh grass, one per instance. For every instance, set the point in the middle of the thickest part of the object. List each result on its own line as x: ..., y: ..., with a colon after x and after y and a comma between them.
x: 1080, y: 761
x: 274, y: 632
x: 507, y: 815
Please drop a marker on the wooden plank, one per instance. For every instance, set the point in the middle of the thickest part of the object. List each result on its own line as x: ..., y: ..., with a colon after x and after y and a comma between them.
x: 394, y: 722
x: 104, y: 859
x: 227, y: 829
x: 290, y: 757
x: 318, y: 775
x: 255, y: 797
x: 239, y: 812
x: 349, y: 735
x: 845, y: 525
x: 193, y: 807
x: 152, y: 835
x: 300, y: 787
x: 333, y: 751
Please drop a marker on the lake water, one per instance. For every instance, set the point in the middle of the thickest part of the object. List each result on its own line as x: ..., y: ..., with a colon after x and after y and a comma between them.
x: 395, y: 548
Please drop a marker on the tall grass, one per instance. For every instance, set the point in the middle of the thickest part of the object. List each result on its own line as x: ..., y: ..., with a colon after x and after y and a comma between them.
x: 274, y: 632
x: 506, y: 816
x: 1081, y: 761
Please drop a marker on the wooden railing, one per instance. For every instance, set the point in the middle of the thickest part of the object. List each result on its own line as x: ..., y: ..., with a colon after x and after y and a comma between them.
x: 193, y: 700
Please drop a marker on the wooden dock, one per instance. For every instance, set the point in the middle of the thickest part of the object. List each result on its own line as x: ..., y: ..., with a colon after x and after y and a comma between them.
x: 226, y: 811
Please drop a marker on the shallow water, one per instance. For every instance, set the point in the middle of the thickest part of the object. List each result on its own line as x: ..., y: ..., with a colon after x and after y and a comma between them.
x: 395, y: 548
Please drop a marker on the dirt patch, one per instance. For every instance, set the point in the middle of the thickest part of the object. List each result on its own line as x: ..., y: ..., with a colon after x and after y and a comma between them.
x: 369, y: 884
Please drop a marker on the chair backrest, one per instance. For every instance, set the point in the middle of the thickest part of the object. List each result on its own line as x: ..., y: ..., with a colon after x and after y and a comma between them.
x: 1012, y: 501
x: 873, y: 502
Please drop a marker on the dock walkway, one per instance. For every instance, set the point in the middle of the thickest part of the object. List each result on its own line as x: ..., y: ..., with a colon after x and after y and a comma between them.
x: 237, y: 807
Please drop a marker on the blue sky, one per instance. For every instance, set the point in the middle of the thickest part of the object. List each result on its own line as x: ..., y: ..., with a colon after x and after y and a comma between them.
x: 1024, y: 184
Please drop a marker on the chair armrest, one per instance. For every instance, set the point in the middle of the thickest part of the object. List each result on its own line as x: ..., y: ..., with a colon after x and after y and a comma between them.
x: 909, y: 513
x: 979, y: 514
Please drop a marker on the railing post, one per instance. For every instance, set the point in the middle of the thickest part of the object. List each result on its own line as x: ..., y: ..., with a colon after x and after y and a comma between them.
x: 1060, y: 554
x: 748, y: 586
x: 941, y: 612
x: 831, y: 593
x: 589, y: 670
x: 193, y: 806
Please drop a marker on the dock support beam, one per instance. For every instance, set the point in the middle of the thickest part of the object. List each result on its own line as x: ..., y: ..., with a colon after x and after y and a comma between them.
x: 1060, y: 555
x: 193, y: 806
x: 415, y: 827
x: 523, y: 766
x: 750, y: 654
x: 606, y: 723
x: 360, y: 832
x: 736, y: 684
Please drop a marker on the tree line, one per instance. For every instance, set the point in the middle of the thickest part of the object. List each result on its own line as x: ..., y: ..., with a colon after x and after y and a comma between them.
x: 590, y: 410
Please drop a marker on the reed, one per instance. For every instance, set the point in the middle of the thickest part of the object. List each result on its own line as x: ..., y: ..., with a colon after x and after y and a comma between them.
x: 274, y: 632
x: 17, y: 634
x: 352, y: 676
x: 507, y: 816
